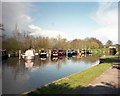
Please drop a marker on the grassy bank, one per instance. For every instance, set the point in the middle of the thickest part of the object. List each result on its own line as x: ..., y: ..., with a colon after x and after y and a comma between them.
x: 73, y: 82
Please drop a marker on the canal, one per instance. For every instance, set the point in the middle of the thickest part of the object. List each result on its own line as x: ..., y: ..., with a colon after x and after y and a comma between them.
x: 19, y: 76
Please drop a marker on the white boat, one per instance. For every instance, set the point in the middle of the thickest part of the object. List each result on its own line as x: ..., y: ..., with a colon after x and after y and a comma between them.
x: 29, y: 54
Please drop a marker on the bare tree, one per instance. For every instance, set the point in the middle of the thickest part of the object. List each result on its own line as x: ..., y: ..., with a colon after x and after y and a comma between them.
x: 1, y: 27
x: 109, y: 43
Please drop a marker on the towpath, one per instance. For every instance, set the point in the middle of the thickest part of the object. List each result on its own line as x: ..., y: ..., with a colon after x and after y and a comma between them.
x: 106, y: 83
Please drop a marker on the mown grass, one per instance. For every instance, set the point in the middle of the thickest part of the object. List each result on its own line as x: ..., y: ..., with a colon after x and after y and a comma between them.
x: 74, y: 82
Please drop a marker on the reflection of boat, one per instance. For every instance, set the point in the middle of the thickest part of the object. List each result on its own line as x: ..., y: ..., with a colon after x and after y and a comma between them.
x: 60, y: 57
x: 29, y: 64
x: 29, y: 54
x: 54, y: 59
x: 69, y: 58
x: 43, y: 59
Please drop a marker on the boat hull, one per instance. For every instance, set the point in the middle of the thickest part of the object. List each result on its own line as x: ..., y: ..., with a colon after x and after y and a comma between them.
x: 29, y: 57
x: 42, y: 55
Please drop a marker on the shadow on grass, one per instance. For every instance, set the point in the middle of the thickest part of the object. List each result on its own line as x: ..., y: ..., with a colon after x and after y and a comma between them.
x: 110, y: 60
x: 53, y: 89
x: 66, y: 89
x: 99, y: 89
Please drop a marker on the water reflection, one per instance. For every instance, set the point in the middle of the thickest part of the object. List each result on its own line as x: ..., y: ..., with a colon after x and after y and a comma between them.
x: 29, y: 64
x: 15, y: 62
x: 41, y: 62
x: 43, y: 59
x: 85, y: 58
x: 54, y: 59
x: 20, y: 75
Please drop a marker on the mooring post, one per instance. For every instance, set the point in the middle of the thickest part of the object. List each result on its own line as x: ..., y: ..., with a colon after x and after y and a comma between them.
x: 19, y: 54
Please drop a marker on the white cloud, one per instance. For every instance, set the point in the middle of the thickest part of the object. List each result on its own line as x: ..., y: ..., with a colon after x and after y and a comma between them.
x: 107, y: 18
x: 38, y: 31
x: 15, y: 13
x: 106, y: 15
x: 25, y: 18
x: 107, y: 33
x: 34, y: 28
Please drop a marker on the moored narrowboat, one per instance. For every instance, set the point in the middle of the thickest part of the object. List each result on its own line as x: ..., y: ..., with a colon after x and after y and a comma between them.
x: 42, y: 53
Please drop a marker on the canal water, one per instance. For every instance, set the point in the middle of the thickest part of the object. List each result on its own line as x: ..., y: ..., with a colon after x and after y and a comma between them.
x: 19, y: 76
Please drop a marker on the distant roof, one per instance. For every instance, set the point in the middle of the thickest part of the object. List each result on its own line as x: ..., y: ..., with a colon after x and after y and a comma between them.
x: 112, y: 46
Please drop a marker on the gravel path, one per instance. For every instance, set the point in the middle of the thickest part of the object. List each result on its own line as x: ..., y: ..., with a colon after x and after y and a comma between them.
x: 106, y: 83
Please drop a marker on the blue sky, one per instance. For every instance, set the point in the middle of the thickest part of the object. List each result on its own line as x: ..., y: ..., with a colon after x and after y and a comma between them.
x: 71, y: 20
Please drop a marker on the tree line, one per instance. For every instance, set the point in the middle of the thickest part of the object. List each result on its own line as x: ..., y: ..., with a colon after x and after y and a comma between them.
x: 23, y: 41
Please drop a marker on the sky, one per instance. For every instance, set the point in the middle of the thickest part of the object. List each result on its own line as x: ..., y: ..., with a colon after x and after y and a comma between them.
x: 71, y: 20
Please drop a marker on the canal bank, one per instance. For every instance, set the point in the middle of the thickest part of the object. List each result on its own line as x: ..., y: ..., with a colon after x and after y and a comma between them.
x: 75, y: 82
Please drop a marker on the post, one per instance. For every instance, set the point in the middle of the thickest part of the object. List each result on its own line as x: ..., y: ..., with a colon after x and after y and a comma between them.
x: 19, y: 54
